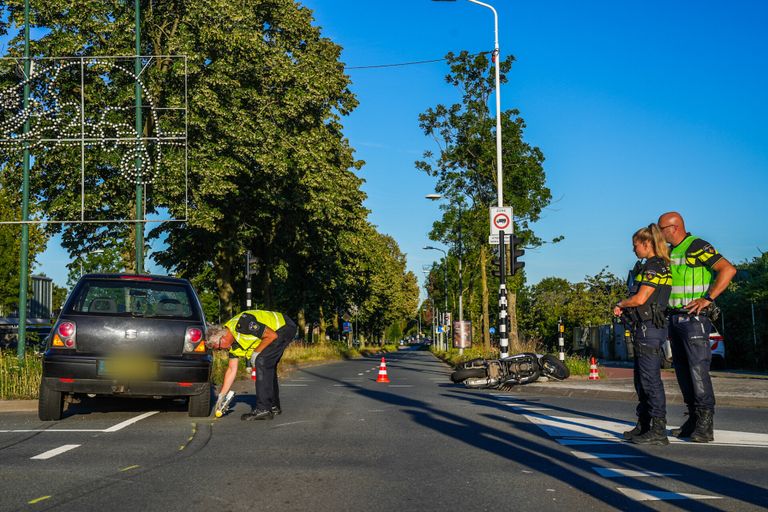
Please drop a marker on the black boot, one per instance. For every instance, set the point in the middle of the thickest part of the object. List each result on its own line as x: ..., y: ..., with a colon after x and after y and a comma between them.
x: 276, y: 410
x: 687, y: 428
x: 643, y: 425
x: 256, y: 415
x: 656, y: 435
x: 704, y: 431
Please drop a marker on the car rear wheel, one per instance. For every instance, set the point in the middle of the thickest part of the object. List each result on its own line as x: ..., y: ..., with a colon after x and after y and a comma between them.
x: 200, y: 405
x: 50, y: 405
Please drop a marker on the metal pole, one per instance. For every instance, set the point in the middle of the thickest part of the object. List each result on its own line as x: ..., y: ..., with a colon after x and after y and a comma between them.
x: 497, y: 58
x: 24, y: 256
x: 248, y: 279
x: 754, y: 332
x: 139, y: 235
x: 461, y: 286
x: 560, y: 340
x: 503, y: 339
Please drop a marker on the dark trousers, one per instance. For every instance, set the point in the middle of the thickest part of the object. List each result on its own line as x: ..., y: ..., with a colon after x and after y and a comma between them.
x: 689, y: 337
x: 648, y: 342
x: 267, y: 391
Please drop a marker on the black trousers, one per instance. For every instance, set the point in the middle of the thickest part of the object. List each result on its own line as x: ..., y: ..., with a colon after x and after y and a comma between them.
x: 267, y: 391
x: 689, y: 337
x: 648, y: 342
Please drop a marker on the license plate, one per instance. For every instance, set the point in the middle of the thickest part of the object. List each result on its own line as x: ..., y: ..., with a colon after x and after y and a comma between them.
x: 128, y: 368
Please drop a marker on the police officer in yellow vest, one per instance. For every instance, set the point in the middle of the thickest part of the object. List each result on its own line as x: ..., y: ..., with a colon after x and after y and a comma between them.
x: 699, y: 275
x: 261, y: 337
x: 643, y: 312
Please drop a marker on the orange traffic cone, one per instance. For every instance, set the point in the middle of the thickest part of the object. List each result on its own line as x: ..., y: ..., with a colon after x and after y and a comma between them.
x: 593, y: 375
x: 383, y: 372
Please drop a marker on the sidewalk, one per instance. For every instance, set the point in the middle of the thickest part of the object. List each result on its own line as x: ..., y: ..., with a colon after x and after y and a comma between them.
x: 736, y: 389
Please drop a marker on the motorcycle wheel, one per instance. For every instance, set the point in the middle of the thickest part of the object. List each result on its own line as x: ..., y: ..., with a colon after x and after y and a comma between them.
x: 466, y: 373
x: 554, y: 368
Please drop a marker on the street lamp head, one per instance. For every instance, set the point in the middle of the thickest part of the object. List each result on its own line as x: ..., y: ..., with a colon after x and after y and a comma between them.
x: 434, y: 197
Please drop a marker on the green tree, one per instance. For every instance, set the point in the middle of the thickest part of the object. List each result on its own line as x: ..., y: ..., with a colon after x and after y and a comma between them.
x: 465, y: 168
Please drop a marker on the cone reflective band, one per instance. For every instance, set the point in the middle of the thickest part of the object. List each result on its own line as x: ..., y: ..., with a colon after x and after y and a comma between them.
x: 383, y: 377
x: 593, y: 375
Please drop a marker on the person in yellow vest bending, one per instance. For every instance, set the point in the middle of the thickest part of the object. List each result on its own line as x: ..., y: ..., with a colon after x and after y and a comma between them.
x: 699, y: 275
x: 261, y: 337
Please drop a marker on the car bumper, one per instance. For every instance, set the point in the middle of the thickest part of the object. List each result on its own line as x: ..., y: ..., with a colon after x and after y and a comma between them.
x: 76, y: 374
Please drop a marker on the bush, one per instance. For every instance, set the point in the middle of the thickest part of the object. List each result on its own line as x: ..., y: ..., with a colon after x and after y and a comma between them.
x: 20, y: 379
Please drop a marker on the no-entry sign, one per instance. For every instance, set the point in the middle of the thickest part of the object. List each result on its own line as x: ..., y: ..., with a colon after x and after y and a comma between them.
x: 501, y: 220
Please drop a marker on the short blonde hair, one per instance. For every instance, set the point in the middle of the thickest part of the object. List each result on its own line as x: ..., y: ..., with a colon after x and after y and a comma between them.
x: 214, y: 333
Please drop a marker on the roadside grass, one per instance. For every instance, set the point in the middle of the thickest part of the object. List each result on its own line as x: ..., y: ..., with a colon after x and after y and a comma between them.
x: 296, y: 353
x: 578, y: 365
x: 20, y: 379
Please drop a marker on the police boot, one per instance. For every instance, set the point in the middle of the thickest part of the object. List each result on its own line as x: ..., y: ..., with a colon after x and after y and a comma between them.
x: 687, y: 428
x: 643, y: 425
x: 657, y: 434
x: 704, y: 431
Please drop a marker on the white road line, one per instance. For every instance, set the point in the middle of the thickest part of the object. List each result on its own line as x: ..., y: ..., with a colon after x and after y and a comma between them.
x: 653, y: 495
x: 126, y: 423
x: 55, y: 452
x: 619, y: 473
x: 585, y: 455
x: 359, y: 373
x: 580, y: 442
x: 114, y: 428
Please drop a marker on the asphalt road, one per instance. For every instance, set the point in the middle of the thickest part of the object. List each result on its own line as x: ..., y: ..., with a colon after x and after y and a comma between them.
x: 346, y: 442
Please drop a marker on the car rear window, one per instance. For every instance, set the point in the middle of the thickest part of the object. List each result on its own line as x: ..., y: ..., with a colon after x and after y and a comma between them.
x: 150, y: 299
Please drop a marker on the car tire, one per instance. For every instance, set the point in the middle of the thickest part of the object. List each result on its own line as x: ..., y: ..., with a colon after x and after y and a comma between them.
x: 466, y: 373
x: 200, y: 405
x: 50, y: 405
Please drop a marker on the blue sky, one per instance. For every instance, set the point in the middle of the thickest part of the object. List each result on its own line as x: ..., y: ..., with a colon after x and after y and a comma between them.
x: 639, y: 108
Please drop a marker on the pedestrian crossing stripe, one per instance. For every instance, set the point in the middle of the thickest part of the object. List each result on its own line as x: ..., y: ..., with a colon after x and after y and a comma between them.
x: 654, y: 495
x: 628, y: 473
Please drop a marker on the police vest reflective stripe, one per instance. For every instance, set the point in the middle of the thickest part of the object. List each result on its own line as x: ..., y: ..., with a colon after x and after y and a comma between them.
x: 248, y: 342
x: 689, y: 280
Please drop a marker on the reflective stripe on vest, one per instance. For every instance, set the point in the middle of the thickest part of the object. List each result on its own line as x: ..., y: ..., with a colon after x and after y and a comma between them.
x: 688, y: 281
x: 247, y: 342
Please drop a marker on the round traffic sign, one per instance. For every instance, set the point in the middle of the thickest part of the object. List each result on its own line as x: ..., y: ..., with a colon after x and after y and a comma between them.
x: 501, y: 221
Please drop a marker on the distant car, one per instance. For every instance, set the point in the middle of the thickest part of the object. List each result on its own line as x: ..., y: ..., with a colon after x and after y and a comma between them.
x: 127, y: 335
x: 716, y: 344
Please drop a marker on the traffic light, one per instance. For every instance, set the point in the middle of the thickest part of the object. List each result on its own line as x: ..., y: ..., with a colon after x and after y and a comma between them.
x: 516, y: 250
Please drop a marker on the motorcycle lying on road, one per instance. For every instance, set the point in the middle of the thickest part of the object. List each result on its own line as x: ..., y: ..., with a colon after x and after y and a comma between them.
x: 509, y: 371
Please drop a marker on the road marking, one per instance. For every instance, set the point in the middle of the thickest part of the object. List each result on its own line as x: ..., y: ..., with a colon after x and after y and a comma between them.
x: 55, y: 452
x: 619, y: 473
x: 579, y: 442
x: 37, y: 500
x: 359, y: 373
x: 130, y: 467
x: 653, y: 495
x: 585, y: 455
x: 126, y: 423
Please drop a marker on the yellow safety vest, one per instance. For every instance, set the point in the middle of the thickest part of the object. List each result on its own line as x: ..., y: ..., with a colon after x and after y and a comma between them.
x: 246, y: 344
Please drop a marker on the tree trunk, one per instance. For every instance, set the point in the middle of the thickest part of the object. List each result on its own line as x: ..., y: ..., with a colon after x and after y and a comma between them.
x: 224, y: 286
x: 321, y: 334
x: 484, y: 287
x: 301, y: 323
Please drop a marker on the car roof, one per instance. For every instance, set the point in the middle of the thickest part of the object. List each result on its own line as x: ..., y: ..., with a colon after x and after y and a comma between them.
x: 128, y: 276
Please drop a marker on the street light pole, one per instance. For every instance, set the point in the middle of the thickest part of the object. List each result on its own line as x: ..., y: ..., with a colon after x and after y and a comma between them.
x: 445, y: 283
x: 497, y: 61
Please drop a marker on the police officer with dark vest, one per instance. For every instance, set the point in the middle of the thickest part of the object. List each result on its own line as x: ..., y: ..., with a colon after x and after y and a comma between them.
x: 260, y: 337
x: 699, y: 275
x: 643, y: 312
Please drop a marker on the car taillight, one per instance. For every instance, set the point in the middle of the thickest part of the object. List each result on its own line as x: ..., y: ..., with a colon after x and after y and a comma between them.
x: 66, y: 329
x: 64, y: 335
x: 715, y: 341
x: 193, y: 340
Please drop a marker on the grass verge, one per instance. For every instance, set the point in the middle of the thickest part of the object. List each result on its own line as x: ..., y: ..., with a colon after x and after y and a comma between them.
x: 20, y: 379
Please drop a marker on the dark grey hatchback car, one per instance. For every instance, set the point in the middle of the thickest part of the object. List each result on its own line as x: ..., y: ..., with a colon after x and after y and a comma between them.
x: 127, y: 335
